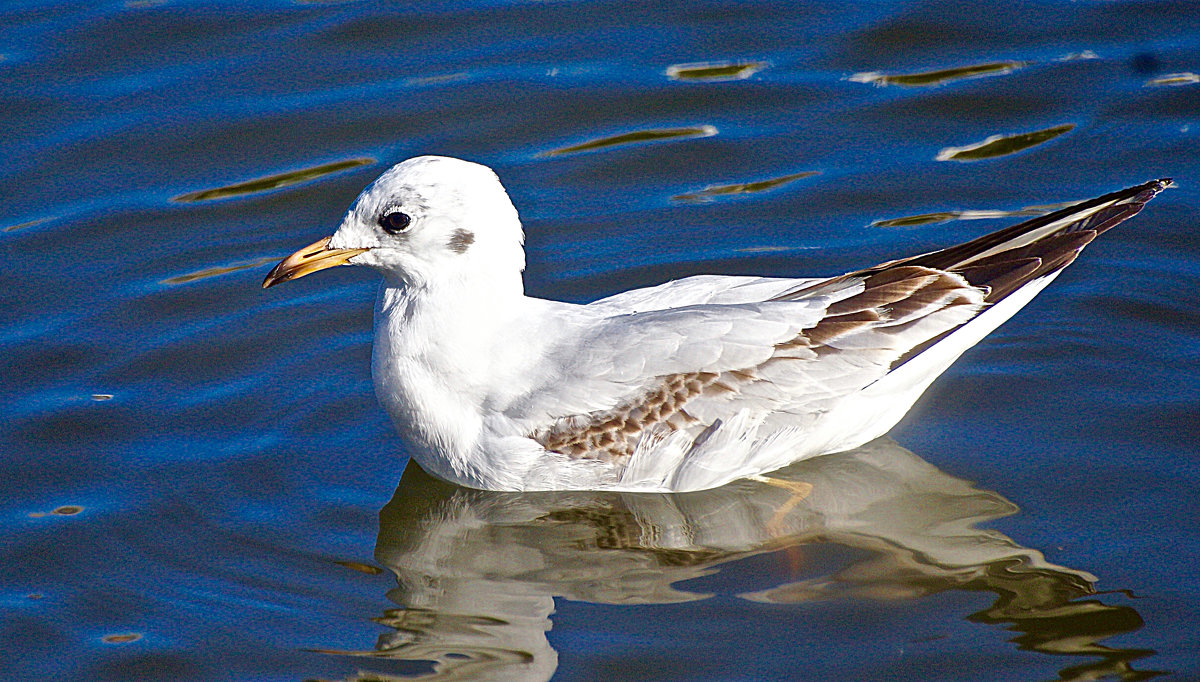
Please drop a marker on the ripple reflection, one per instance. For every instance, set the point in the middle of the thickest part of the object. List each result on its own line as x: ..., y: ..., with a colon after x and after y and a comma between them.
x: 713, y: 191
x: 984, y: 214
x: 938, y: 77
x: 1002, y: 145
x: 714, y: 71
x: 218, y: 270
x: 478, y: 571
x: 271, y: 182
x: 635, y: 137
x: 1184, y: 78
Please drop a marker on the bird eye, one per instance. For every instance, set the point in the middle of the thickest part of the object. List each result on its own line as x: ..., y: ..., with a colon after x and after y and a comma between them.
x: 394, y: 222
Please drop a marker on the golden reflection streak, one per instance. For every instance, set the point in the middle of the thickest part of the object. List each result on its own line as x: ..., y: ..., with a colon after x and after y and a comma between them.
x: 270, y: 182
x: 635, y: 137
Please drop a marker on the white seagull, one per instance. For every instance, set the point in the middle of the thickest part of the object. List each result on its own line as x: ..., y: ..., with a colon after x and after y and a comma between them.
x: 683, y: 386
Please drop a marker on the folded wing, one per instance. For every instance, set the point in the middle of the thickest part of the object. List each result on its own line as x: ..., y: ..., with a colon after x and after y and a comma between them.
x: 782, y: 353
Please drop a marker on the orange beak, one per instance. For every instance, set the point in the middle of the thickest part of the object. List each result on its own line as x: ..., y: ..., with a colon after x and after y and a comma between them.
x: 315, y: 256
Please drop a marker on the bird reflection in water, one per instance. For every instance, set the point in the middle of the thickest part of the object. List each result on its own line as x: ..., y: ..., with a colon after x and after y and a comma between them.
x: 478, y: 571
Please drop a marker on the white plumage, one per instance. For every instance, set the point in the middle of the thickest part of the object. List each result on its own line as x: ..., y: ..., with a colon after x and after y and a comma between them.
x: 683, y: 386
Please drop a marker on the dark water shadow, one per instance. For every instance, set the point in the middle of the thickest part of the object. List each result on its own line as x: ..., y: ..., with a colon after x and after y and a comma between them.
x: 478, y: 572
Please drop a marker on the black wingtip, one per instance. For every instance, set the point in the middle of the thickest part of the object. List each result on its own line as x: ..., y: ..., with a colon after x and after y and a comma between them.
x: 1153, y: 187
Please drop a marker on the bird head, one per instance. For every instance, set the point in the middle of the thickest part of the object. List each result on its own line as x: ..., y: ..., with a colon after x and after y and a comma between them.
x: 427, y: 219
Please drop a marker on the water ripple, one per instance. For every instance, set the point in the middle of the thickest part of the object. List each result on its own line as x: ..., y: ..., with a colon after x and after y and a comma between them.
x: 1183, y: 78
x: 713, y: 191
x: 1002, y: 145
x: 218, y: 270
x: 938, y: 77
x: 635, y: 137
x: 714, y: 71
x: 27, y: 223
x: 275, y: 181
x: 984, y: 214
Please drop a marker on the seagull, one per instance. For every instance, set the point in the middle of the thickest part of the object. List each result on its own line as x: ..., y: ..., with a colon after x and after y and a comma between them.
x: 683, y: 386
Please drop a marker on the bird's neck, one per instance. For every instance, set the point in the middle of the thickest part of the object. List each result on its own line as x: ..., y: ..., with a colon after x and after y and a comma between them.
x: 463, y: 306
x: 433, y: 353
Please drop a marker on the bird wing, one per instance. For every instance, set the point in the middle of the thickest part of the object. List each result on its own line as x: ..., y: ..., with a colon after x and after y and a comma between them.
x: 682, y: 368
x: 687, y: 354
x: 699, y: 290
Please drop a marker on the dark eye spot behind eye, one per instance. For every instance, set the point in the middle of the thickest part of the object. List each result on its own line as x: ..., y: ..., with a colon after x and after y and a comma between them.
x: 461, y: 240
x: 394, y: 222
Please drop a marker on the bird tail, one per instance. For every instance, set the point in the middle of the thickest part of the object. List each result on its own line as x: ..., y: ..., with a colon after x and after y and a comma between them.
x: 1004, y: 261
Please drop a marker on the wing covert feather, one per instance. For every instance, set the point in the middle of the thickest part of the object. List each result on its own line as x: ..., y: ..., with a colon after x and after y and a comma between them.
x: 683, y: 367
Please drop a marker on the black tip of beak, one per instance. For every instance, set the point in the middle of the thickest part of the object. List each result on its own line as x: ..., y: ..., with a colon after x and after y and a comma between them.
x: 275, y: 277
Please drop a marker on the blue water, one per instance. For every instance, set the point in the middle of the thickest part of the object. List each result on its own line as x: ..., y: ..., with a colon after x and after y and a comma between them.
x: 195, y: 476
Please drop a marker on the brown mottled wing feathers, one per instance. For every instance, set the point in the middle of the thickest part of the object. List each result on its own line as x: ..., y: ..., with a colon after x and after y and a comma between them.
x: 613, y: 434
x: 894, y: 297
